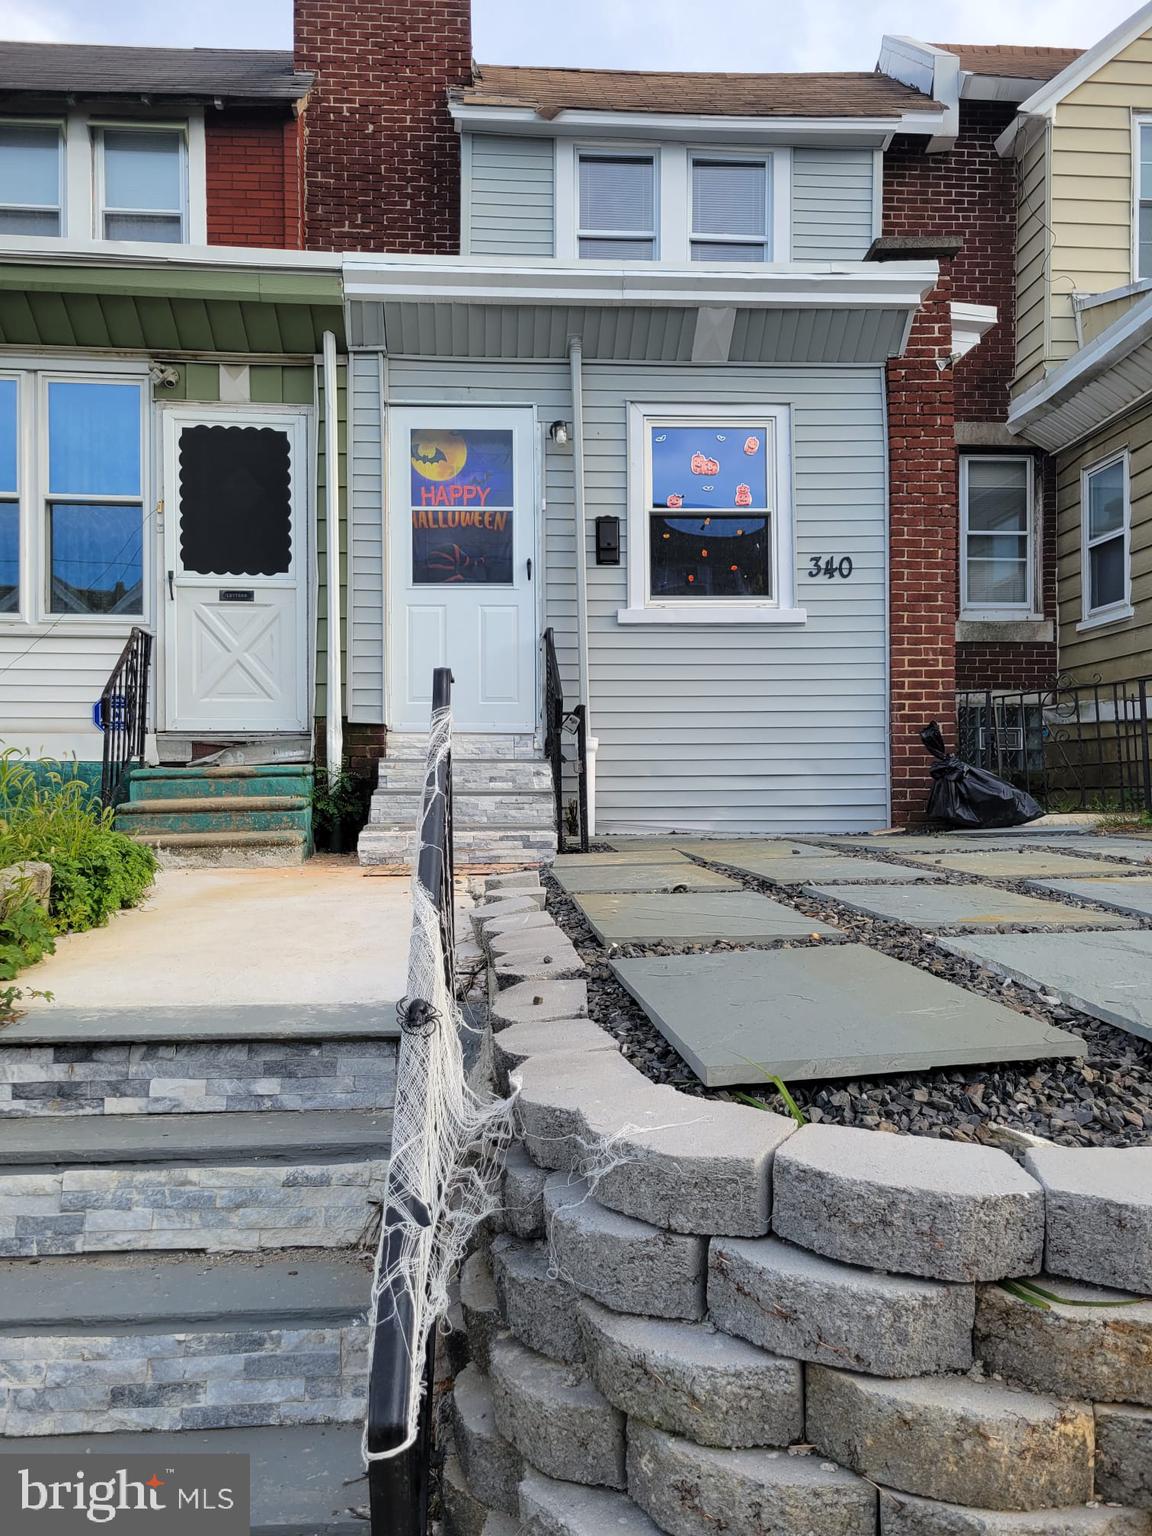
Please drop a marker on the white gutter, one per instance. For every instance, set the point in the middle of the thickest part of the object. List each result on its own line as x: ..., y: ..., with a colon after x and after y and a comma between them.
x: 334, y: 708
x: 576, y: 374
x: 53, y: 251
x: 764, y: 285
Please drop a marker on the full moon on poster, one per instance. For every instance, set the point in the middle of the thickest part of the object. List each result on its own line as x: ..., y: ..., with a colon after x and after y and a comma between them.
x: 462, y: 514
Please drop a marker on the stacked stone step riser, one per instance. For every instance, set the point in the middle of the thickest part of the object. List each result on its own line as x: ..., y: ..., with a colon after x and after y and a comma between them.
x: 465, y: 745
x: 843, y: 1281
x: 512, y: 846
x: 469, y: 775
x: 499, y: 808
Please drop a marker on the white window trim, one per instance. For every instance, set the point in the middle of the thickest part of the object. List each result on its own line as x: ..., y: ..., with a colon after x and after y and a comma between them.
x: 1029, y: 609
x: 610, y: 152
x: 34, y: 615
x: 766, y: 159
x: 179, y: 129
x: 673, y: 196
x: 1095, y: 618
x: 1139, y: 120
x: 62, y: 163
x: 642, y: 609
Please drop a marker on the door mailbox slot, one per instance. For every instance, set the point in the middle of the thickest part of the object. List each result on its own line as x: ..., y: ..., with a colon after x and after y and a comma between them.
x: 236, y: 595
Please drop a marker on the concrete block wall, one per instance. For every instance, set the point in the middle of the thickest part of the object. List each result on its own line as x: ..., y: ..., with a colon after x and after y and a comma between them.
x: 700, y: 1317
x: 124, y: 1079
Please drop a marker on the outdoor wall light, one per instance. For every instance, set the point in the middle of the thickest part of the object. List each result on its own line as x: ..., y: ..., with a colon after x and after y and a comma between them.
x: 561, y: 433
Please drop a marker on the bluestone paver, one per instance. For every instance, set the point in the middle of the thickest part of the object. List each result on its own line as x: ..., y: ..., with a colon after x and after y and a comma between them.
x: 1138, y: 850
x: 614, y: 860
x: 1028, y: 864
x: 807, y: 871
x: 1132, y: 895
x: 695, y: 918
x: 644, y: 877
x: 837, y: 1011
x: 1106, y: 975
x: 984, y: 907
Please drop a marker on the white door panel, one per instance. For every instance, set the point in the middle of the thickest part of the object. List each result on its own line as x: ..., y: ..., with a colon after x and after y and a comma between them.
x: 235, y: 549
x: 461, y: 547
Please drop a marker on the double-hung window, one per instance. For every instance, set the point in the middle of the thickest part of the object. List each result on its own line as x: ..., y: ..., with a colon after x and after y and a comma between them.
x: 618, y: 207
x: 1105, y: 561
x: 93, y: 496
x: 31, y: 179
x: 142, y: 183
x: 997, y: 522
x: 1142, y: 197
x: 731, y: 209
x: 9, y: 495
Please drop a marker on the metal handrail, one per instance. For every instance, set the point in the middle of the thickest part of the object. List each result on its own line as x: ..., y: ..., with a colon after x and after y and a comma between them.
x: 558, y: 723
x: 398, y: 1484
x: 122, y: 714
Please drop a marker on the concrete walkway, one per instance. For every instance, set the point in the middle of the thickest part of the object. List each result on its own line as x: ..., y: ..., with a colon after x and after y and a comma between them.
x: 319, y: 934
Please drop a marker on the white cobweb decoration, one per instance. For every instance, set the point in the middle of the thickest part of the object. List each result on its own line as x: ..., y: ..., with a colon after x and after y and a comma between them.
x: 448, y: 1144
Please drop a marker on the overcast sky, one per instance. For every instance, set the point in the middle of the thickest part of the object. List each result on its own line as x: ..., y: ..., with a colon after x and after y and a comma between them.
x: 621, y: 34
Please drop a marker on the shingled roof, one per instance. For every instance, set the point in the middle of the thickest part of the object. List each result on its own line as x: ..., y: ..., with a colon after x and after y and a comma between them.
x: 85, y: 69
x: 712, y: 95
x: 1011, y: 62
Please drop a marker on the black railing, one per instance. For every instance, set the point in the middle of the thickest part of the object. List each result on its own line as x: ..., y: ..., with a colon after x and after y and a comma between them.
x: 563, y: 727
x: 122, y: 715
x: 1078, y: 746
x: 398, y: 1483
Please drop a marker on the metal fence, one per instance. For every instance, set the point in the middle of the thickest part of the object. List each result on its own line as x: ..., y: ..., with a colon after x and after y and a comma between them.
x: 565, y: 729
x: 1078, y: 746
x: 122, y: 715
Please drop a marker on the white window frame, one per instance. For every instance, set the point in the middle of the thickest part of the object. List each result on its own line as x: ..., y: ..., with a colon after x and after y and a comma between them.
x: 673, y: 196
x: 620, y: 152
x: 1027, y: 609
x: 34, y: 615
x: 765, y: 159
x: 98, y: 127
x: 642, y: 607
x: 58, y: 123
x: 1140, y: 120
x: 1093, y: 618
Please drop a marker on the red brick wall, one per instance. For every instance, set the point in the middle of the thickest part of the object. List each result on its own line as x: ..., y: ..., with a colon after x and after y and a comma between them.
x: 382, y: 160
x: 253, y: 174
x: 923, y: 548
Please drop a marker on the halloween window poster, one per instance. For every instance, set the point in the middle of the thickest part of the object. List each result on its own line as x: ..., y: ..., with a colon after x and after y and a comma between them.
x: 462, y: 515
x: 710, y: 529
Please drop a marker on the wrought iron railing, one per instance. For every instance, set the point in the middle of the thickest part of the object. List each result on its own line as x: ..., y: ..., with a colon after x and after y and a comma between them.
x: 122, y: 714
x: 1078, y: 746
x: 398, y: 1483
x: 565, y: 727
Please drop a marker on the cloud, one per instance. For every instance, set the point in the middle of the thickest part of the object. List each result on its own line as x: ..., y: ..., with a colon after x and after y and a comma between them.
x: 34, y: 22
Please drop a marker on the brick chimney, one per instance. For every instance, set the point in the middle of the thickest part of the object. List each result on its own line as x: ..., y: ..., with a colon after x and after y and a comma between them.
x: 382, y: 159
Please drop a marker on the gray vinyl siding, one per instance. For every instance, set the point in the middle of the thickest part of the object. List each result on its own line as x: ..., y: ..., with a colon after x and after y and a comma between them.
x: 832, y: 204
x: 365, y: 621
x: 510, y: 195
x: 757, y: 728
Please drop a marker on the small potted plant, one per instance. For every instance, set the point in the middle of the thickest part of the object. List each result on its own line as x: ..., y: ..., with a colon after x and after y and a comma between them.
x: 338, y: 811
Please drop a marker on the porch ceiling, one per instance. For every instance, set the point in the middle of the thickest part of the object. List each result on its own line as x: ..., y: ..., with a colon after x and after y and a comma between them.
x: 129, y: 309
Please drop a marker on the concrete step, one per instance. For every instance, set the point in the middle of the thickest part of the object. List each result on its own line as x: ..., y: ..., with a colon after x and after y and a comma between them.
x: 216, y: 814
x: 471, y: 809
x: 229, y: 782
x: 306, y: 1481
x: 200, y: 1183
x: 228, y: 850
x: 115, y: 1345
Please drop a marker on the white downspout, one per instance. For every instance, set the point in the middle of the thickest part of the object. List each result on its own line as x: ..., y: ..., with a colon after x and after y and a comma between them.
x: 334, y: 736
x: 575, y: 362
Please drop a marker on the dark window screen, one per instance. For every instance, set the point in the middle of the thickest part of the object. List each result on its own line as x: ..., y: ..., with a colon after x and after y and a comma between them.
x: 235, y: 501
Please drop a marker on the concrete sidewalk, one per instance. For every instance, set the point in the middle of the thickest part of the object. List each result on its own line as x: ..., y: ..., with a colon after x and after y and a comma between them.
x: 321, y: 933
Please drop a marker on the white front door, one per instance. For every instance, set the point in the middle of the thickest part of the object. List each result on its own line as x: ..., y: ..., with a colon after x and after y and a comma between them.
x: 462, y: 542
x: 235, y: 599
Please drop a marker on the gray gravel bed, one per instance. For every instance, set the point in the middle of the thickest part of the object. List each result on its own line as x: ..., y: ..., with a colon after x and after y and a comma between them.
x: 1104, y: 1099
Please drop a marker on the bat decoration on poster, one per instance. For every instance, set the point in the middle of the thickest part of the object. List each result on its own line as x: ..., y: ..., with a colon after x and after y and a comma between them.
x: 437, y: 456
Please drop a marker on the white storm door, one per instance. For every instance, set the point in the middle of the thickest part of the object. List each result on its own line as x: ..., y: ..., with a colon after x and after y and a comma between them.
x: 234, y: 593
x: 462, y: 542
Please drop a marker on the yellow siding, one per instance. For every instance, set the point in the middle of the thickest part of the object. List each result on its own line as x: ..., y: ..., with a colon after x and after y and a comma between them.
x: 1031, y: 262
x: 1123, y: 650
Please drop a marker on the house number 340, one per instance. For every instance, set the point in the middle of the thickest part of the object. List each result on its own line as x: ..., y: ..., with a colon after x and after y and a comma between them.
x: 830, y: 566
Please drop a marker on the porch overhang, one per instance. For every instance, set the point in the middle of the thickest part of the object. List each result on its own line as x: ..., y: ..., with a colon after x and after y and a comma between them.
x: 850, y: 312
x: 1110, y: 375
x: 197, y: 300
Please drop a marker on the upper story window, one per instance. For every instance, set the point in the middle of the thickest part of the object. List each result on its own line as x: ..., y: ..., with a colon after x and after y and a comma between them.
x: 730, y: 210
x: 617, y: 207
x: 997, y: 532
x: 1142, y: 191
x: 31, y: 179
x: 1105, y: 556
x: 141, y: 176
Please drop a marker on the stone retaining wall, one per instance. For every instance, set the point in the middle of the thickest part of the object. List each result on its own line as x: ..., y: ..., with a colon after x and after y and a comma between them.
x: 80, y: 1384
x: 700, y: 1318
x: 204, y: 1209
x: 198, y: 1078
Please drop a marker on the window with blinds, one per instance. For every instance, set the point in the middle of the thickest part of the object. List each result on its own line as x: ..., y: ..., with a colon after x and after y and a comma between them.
x: 617, y: 207
x: 731, y: 210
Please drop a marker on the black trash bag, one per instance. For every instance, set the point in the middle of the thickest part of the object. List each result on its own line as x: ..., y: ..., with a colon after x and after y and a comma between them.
x: 964, y: 796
